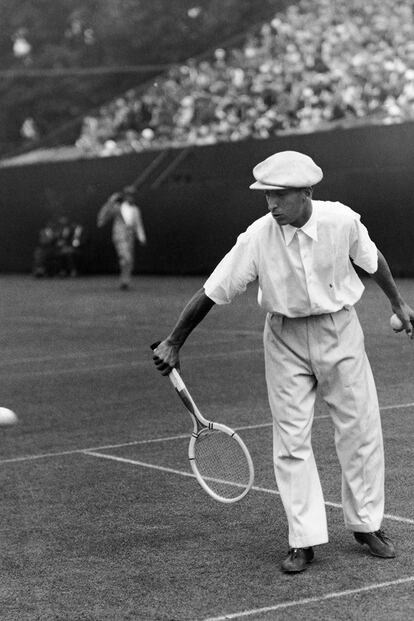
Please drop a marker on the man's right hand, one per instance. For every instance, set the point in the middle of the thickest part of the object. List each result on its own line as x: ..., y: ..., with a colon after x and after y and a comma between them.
x: 166, y: 357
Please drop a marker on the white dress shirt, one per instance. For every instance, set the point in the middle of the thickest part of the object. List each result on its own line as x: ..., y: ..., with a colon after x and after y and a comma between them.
x: 301, y: 272
x: 128, y: 213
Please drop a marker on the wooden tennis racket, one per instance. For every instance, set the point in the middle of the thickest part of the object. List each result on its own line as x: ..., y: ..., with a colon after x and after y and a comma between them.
x: 218, y: 456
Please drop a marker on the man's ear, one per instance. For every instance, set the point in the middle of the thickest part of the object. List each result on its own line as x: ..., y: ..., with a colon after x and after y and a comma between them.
x: 309, y: 192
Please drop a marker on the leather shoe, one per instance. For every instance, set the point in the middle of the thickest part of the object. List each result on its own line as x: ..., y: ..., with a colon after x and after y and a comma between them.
x: 297, y: 560
x: 378, y: 543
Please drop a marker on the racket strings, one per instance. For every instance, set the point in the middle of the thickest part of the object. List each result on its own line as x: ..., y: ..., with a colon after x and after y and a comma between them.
x: 222, y: 463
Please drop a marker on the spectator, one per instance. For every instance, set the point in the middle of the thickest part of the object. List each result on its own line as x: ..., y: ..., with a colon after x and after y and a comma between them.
x: 59, y: 249
x: 22, y: 49
x: 29, y: 130
x: 70, y: 241
x: 45, y: 251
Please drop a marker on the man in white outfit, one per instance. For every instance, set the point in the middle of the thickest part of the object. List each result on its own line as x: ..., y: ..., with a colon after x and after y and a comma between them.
x: 127, y: 225
x: 302, y: 253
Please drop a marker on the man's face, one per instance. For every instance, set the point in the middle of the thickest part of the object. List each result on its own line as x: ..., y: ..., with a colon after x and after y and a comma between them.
x: 289, y: 206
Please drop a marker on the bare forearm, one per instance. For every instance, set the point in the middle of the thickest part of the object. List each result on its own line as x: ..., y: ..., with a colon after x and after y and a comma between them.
x: 194, y: 312
x: 166, y: 355
x: 385, y: 281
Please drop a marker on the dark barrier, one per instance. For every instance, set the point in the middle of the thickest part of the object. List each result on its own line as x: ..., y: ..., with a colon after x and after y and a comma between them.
x: 196, y: 201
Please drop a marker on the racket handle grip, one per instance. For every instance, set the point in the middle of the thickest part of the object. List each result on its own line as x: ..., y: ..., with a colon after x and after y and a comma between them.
x: 176, y: 380
x: 173, y: 374
x: 182, y: 391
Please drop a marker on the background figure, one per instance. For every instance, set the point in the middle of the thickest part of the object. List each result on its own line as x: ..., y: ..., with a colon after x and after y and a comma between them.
x: 70, y: 240
x: 44, y: 252
x: 127, y: 225
x: 59, y: 248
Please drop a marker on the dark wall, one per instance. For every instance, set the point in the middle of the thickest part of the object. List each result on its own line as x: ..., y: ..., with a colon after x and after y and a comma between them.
x: 196, y: 202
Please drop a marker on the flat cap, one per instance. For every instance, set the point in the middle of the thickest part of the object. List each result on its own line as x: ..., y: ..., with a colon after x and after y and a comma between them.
x: 286, y: 169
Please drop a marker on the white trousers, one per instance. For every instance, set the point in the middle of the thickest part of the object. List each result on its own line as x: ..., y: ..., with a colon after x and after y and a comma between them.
x: 324, y: 351
x: 125, y: 246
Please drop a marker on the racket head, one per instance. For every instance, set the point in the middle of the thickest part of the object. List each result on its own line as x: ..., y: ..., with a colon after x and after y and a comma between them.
x: 221, y: 463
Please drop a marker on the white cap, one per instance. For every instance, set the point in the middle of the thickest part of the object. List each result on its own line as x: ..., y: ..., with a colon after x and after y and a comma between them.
x: 286, y: 169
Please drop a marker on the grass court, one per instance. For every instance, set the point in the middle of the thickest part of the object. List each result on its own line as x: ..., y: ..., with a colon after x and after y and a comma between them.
x: 100, y: 518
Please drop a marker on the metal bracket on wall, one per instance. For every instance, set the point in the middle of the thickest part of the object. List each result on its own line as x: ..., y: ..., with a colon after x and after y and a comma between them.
x: 150, y: 168
x: 169, y: 169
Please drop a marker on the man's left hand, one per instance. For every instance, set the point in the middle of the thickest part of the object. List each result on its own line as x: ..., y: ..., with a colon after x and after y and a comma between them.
x: 405, y: 313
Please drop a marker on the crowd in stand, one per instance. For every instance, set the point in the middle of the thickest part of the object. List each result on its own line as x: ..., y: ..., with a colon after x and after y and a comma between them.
x: 318, y: 63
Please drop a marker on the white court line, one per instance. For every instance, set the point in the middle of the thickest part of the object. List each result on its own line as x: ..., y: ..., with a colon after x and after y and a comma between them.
x: 11, y: 460
x: 180, y: 436
x: 78, y: 355
x: 120, y: 350
x: 397, y: 406
x: 185, y: 473
x: 123, y: 365
x: 135, y: 462
x: 311, y: 600
x: 93, y: 451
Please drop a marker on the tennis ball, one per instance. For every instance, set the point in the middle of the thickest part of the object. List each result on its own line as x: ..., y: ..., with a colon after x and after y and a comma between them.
x: 396, y: 323
x: 7, y: 417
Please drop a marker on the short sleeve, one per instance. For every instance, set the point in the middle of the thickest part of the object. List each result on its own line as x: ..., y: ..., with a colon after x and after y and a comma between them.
x: 362, y: 249
x: 234, y: 272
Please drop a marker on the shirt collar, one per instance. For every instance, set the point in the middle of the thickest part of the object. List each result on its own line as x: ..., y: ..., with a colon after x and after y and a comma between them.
x: 309, y: 228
